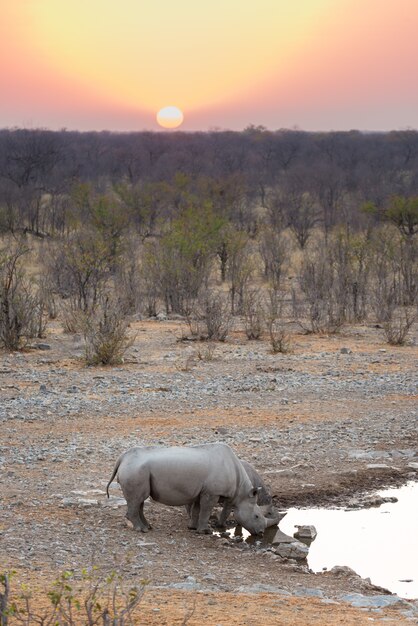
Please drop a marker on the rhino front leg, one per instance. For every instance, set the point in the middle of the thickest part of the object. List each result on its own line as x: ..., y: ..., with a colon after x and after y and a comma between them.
x: 227, y: 508
x: 207, y: 502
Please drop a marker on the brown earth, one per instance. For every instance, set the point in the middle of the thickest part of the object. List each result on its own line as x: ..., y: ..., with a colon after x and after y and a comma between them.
x: 311, y: 422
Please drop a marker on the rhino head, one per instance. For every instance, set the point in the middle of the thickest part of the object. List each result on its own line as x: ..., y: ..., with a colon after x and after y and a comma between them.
x: 249, y: 515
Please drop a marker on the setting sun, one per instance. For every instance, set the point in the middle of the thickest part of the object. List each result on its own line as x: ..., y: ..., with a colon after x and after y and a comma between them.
x: 170, y: 117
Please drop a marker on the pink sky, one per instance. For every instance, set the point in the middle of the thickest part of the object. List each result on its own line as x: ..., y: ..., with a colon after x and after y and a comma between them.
x: 325, y: 64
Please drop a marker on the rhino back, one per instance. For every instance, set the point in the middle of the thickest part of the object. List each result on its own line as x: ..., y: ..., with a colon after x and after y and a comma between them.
x: 177, y: 475
x: 264, y: 496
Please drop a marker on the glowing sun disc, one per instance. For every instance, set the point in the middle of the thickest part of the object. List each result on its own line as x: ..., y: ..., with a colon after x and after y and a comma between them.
x: 170, y: 117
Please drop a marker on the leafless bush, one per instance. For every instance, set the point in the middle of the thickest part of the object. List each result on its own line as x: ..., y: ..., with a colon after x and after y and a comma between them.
x: 22, y: 314
x: 254, y: 315
x: 79, y: 267
x: 280, y: 340
x: 127, y: 278
x: 323, y: 309
x: 397, y: 324
x: 240, y: 269
x: 72, y: 318
x: 46, y: 295
x: 39, y: 318
x: 206, y: 352
x: 394, y: 271
x: 275, y: 252
x: 106, y: 334
x: 91, y: 601
x: 210, y: 319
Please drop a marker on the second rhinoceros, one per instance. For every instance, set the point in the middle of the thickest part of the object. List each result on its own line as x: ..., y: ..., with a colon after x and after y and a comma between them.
x: 264, y: 499
x: 193, y: 475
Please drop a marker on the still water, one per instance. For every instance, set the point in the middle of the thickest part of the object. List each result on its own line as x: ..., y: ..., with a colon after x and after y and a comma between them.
x: 378, y: 543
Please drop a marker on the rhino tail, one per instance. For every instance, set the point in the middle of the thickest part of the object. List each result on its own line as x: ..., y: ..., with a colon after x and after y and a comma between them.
x: 115, y: 471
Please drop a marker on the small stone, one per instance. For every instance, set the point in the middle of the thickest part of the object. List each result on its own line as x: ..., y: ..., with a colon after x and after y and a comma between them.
x: 345, y: 351
x: 343, y: 570
x: 42, y: 346
x: 43, y: 388
x: 306, y: 532
x: 296, y: 550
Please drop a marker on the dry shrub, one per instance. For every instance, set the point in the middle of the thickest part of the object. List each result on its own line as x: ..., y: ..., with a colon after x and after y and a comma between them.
x: 254, y: 315
x: 22, y: 314
x: 324, y: 308
x: 89, y: 601
x: 211, y: 319
x: 279, y: 338
x: 206, y: 352
x: 106, y: 334
x: 73, y: 319
x: 397, y: 324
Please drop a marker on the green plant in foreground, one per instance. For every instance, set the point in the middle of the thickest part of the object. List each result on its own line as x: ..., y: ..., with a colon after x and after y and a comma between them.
x: 73, y: 601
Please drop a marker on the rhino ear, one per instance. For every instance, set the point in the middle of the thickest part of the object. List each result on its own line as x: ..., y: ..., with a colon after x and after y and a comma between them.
x: 254, y: 492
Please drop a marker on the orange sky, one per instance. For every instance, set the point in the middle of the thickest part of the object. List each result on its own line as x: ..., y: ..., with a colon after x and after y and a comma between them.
x: 316, y: 64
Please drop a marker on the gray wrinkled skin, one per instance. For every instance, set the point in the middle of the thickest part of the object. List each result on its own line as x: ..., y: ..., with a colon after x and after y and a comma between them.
x: 196, y: 476
x: 264, y: 499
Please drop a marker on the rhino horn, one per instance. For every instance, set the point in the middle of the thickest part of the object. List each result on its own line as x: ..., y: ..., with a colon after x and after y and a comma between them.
x: 272, y: 521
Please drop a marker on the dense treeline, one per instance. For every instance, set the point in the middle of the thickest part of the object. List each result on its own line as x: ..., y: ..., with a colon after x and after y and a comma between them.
x: 302, y: 178
x: 318, y: 228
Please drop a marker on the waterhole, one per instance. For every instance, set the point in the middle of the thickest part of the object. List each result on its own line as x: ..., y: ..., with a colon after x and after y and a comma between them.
x: 380, y: 543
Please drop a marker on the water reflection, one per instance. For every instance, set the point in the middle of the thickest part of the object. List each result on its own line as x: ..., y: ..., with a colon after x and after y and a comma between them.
x: 379, y: 543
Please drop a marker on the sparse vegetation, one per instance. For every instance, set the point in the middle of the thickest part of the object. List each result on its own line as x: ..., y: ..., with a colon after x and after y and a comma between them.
x: 106, y: 334
x: 171, y: 238
x: 73, y: 600
x: 22, y: 311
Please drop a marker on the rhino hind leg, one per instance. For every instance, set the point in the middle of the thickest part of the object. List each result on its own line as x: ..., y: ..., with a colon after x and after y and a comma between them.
x: 135, y: 512
x: 142, y: 517
x: 135, y: 515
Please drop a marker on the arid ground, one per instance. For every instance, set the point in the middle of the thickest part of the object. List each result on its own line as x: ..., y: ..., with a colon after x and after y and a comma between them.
x: 332, y: 419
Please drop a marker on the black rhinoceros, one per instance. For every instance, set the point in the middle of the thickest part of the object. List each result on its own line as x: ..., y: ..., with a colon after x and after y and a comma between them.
x: 192, y: 475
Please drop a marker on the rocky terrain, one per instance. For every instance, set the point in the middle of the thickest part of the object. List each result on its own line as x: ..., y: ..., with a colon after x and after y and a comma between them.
x: 328, y: 422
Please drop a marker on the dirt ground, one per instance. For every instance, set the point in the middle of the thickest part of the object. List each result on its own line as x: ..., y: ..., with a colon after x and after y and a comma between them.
x: 327, y: 422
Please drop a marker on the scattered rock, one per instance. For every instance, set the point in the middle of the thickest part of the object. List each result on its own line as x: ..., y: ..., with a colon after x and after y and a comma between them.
x: 260, y: 588
x: 311, y: 593
x: 343, y: 570
x: 295, y: 550
x: 305, y: 532
x: 360, y: 601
